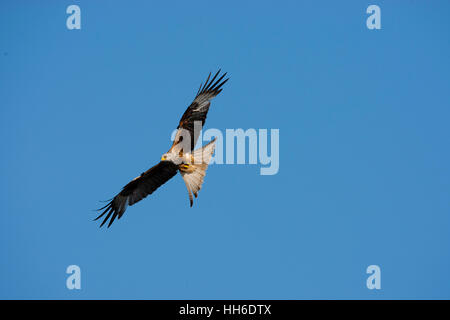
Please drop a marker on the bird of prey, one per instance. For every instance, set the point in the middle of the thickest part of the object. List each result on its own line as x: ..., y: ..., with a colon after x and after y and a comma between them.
x: 181, y: 157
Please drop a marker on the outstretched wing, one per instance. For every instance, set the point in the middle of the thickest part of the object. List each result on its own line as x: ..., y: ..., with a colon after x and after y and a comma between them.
x: 138, y: 189
x: 198, y: 110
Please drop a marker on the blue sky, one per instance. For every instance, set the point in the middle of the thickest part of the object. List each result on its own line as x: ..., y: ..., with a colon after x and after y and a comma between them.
x: 364, y: 159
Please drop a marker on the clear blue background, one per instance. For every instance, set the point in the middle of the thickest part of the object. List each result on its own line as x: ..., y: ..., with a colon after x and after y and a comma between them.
x: 364, y: 149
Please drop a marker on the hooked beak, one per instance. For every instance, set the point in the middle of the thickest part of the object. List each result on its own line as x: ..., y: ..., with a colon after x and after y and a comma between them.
x: 163, y: 158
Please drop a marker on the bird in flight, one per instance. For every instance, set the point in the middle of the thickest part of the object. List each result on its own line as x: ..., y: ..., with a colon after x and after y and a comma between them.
x: 181, y: 157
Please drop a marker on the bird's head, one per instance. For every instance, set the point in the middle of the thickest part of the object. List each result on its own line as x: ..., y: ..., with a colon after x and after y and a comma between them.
x: 169, y: 157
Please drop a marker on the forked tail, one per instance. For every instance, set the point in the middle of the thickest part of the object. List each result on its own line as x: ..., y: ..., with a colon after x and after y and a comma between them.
x: 194, y: 172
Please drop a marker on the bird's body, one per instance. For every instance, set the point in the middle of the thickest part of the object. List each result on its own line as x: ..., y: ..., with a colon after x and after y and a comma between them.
x: 181, y: 157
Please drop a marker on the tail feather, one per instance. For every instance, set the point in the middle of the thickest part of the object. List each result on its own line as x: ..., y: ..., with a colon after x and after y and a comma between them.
x: 193, y: 177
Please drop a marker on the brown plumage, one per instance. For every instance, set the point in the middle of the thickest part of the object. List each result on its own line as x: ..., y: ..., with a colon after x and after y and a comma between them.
x: 181, y: 157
